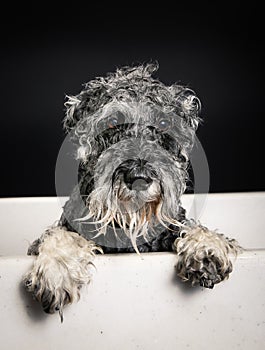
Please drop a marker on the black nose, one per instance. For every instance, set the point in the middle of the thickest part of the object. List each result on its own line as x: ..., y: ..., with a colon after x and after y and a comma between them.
x: 137, y: 181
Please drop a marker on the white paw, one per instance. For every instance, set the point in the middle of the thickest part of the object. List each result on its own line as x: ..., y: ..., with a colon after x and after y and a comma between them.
x: 203, y: 256
x: 62, y: 266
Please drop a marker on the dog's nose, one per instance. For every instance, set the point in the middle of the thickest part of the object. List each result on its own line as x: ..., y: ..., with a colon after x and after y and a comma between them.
x: 137, y: 182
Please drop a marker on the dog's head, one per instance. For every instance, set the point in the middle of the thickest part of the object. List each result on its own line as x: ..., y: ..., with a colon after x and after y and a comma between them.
x: 134, y: 137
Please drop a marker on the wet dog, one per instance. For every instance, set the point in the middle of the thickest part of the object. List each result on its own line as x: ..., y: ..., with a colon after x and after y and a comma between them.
x: 134, y: 136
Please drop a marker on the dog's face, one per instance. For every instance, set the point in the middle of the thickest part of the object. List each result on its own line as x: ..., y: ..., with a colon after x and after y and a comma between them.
x: 135, y: 135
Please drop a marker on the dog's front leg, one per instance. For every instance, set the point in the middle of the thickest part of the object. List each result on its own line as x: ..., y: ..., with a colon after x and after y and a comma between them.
x: 63, y: 264
x: 203, y: 256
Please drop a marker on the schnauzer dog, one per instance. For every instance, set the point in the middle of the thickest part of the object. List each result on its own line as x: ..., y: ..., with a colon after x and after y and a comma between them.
x: 134, y: 136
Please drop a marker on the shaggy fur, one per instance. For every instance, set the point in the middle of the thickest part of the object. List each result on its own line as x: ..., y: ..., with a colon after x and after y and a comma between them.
x: 134, y: 136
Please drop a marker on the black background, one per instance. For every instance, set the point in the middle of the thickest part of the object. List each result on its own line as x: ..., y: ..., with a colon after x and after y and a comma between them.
x: 48, y: 51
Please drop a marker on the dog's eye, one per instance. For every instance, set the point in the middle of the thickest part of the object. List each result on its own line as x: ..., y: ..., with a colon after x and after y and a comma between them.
x: 164, y: 124
x: 115, y: 119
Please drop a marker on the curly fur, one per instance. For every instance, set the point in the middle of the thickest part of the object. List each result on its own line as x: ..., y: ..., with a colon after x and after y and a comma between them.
x: 203, y: 256
x: 131, y: 84
x: 62, y: 268
x: 134, y: 136
x: 142, y: 100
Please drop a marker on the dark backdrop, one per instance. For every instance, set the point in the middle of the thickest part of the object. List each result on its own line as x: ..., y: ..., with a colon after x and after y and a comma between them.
x: 48, y: 52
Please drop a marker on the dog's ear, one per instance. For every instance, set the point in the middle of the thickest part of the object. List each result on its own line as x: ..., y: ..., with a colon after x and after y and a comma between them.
x: 86, y: 102
x: 188, y: 105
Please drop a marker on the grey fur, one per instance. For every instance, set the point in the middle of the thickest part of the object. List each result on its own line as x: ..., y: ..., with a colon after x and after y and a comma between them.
x: 134, y: 136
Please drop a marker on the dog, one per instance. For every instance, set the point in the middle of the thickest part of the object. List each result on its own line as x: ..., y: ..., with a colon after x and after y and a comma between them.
x: 134, y: 136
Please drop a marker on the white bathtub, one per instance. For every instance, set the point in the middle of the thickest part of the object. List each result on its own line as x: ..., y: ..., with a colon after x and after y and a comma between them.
x: 136, y: 303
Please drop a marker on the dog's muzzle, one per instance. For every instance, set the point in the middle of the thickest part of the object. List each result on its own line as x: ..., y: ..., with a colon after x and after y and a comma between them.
x: 137, y: 181
x: 136, y: 174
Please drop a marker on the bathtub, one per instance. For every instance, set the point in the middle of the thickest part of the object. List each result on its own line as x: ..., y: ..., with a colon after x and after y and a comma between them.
x: 138, y: 302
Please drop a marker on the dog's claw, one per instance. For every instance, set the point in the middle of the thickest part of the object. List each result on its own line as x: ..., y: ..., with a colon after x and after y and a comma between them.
x: 28, y: 283
x: 61, y: 315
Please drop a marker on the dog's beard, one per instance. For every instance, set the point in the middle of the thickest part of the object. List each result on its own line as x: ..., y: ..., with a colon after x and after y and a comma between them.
x: 136, y: 213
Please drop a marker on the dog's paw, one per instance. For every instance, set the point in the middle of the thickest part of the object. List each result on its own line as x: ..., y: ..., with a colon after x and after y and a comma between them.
x: 52, y: 296
x: 203, y: 256
x: 62, y: 267
x: 53, y: 284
